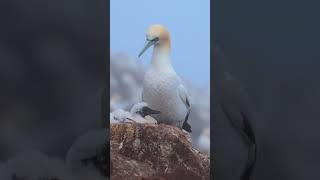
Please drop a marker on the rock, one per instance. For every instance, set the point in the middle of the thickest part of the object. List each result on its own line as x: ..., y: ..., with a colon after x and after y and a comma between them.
x: 154, y: 152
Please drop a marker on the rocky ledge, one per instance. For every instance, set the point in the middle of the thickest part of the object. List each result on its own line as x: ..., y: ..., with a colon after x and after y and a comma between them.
x: 154, y: 152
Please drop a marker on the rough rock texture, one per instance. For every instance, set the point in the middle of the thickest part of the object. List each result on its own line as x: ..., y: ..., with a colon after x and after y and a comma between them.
x: 154, y: 152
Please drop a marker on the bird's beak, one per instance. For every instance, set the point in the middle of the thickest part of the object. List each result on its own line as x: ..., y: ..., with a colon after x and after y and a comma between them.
x: 147, y: 45
x: 148, y: 111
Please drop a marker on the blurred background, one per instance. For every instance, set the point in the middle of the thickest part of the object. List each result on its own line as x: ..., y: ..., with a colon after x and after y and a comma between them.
x: 272, y: 47
x: 52, y: 71
x: 189, y: 26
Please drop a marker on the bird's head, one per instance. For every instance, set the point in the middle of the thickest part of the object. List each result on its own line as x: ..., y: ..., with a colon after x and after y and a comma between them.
x: 157, y: 35
x: 143, y: 110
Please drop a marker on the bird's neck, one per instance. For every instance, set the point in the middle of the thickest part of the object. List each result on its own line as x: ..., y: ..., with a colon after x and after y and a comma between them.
x: 161, y: 55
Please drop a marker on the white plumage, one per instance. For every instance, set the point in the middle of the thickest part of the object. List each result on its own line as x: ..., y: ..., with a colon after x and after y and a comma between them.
x: 119, y: 115
x: 139, y: 113
x: 161, y: 90
x: 162, y: 87
x: 139, y: 110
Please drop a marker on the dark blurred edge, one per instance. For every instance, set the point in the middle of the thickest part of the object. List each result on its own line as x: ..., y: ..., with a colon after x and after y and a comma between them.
x: 213, y: 83
x: 106, y: 99
x: 106, y: 50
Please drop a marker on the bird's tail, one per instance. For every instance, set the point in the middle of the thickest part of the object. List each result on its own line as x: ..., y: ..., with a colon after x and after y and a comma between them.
x: 186, y: 126
x: 249, y: 137
x: 252, y: 151
x: 252, y: 154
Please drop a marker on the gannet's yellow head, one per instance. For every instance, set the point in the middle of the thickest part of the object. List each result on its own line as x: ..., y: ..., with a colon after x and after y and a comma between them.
x: 157, y: 35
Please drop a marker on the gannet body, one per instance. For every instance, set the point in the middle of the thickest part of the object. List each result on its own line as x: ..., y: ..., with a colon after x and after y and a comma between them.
x: 119, y: 115
x: 162, y: 87
x: 139, y: 113
x: 113, y: 120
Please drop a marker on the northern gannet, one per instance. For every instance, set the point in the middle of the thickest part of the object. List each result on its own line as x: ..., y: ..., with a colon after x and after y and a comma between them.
x: 162, y: 87
x: 139, y: 113
x: 234, y: 103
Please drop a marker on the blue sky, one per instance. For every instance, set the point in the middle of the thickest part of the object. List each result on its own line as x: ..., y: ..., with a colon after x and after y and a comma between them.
x: 188, y: 22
